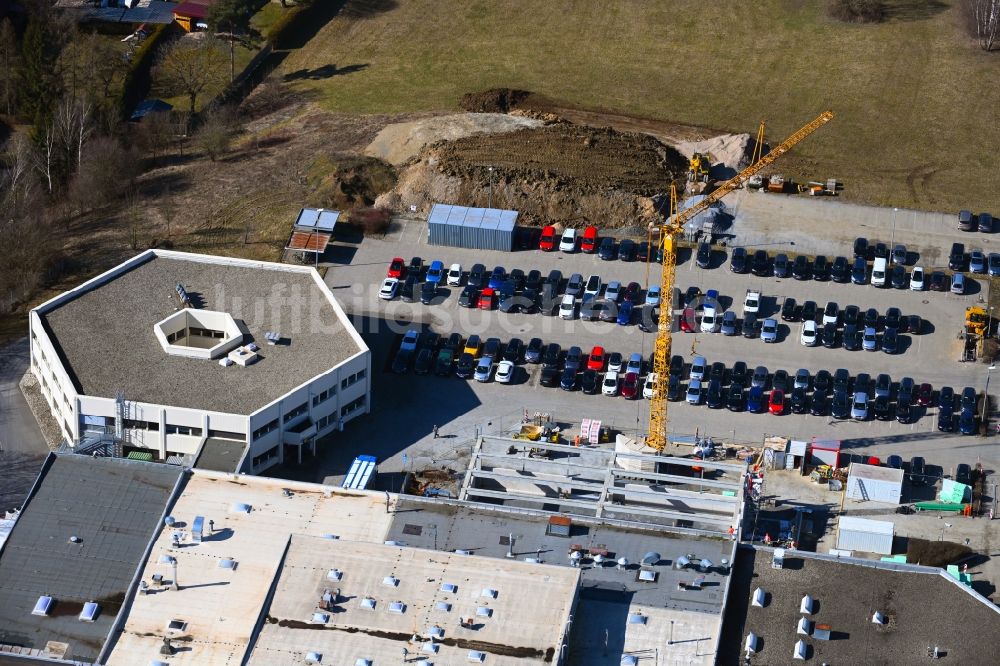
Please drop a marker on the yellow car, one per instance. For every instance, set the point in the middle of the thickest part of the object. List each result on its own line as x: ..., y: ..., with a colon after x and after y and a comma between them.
x: 473, y: 346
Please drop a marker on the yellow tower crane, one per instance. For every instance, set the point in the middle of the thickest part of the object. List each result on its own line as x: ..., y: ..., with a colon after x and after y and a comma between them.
x: 674, y: 225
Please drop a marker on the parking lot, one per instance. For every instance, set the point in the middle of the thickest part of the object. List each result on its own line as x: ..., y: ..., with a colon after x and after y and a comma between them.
x: 405, y: 406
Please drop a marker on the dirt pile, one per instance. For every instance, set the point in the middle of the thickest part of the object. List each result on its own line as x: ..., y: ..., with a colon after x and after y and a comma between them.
x: 495, y: 100
x: 399, y: 142
x: 561, y: 173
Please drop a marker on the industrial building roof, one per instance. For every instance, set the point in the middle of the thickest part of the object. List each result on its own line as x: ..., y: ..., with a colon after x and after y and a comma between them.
x: 218, y: 606
x: 922, y: 607
x: 876, y: 473
x: 80, y: 538
x: 516, y: 612
x: 104, y: 331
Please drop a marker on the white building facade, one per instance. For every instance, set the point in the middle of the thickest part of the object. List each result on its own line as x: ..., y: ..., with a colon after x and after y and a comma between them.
x: 294, y: 410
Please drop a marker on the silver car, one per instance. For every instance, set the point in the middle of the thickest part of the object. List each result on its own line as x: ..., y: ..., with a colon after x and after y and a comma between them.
x: 977, y: 261
x: 729, y: 323
x: 994, y: 264
x: 859, y: 408
x: 869, y: 340
x: 769, y: 330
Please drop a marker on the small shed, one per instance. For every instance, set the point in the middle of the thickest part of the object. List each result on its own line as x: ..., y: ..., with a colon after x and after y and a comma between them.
x: 312, y: 231
x: 869, y: 483
x: 472, y: 228
x: 825, y: 452
x: 192, y: 15
x: 867, y: 536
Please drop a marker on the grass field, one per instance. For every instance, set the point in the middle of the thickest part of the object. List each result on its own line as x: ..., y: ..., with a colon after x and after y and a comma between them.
x: 916, y: 101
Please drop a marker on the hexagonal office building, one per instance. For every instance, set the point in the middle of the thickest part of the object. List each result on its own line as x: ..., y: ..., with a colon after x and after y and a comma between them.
x: 222, y: 363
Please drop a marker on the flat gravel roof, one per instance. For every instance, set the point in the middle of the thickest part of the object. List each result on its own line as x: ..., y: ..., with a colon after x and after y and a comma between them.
x: 105, y: 335
x: 922, y: 610
x: 113, y: 506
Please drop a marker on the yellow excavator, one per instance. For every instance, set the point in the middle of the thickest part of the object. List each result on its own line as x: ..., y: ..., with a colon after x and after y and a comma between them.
x: 668, y: 233
x: 976, y: 320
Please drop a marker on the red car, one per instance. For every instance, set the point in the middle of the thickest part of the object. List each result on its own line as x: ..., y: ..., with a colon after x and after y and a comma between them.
x: 688, y: 320
x: 924, y: 395
x: 588, y: 243
x: 486, y: 299
x: 630, y: 387
x: 776, y: 405
x: 547, y: 242
x: 397, y: 268
x: 596, y: 359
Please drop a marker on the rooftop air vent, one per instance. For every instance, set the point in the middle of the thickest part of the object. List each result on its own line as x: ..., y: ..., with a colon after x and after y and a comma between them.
x: 647, y: 576
x: 629, y: 660
x: 391, y: 581
x: 397, y: 607
x: 334, y: 574
x: 169, y: 521
x: 227, y: 563
x: 240, y: 507
x: 707, y: 564
x: 176, y: 625
x: 636, y: 618
x: 320, y: 618
x: 42, y: 606
x: 804, y: 627
x: 435, y: 632
x: 314, y: 657
x: 878, y: 618
x: 368, y: 603
x: 331, y: 536
x: 807, y: 605
x: 89, y: 612
x: 680, y: 562
x: 488, y: 592
x: 430, y: 647
x: 476, y: 656
x: 759, y: 597
x: 484, y: 611
x: 443, y: 606
x: 651, y: 558
x: 450, y: 588
x: 75, y: 539
x: 463, y: 552
x: 800, y: 650
x: 752, y: 643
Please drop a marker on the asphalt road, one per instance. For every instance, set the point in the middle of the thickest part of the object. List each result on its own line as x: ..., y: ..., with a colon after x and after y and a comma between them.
x: 22, y: 447
x: 416, y: 404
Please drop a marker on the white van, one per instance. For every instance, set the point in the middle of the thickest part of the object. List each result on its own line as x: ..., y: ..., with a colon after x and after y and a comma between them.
x: 878, y: 272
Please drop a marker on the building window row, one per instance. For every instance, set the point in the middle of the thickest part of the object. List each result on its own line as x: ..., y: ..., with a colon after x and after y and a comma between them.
x: 183, y: 430
x: 298, y: 411
x: 268, y: 455
x: 352, y: 407
x: 353, y: 378
x: 141, y: 425
x: 324, y: 395
x: 264, y: 429
x: 226, y: 434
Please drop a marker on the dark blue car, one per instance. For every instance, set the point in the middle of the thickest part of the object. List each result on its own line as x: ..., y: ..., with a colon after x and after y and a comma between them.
x: 607, y: 250
x: 497, y: 278
x: 755, y: 400
x: 625, y: 313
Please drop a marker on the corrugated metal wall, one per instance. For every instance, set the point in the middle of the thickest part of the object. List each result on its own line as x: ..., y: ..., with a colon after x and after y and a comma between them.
x: 876, y: 490
x: 867, y: 542
x: 472, y: 228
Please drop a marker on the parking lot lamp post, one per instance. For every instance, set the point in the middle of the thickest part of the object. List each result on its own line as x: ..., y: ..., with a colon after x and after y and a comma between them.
x: 986, y: 393
x: 489, y: 200
x: 892, y: 236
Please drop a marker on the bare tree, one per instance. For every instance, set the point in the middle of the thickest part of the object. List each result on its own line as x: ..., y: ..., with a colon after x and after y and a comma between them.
x: 107, y: 171
x: 982, y: 20
x: 215, y: 133
x: 192, y: 67
x: 74, y: 124
x: 10, y: 63
x: 46, y: 155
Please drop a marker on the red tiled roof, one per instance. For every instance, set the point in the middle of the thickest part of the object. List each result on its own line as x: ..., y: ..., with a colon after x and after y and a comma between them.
x: 197, y: 9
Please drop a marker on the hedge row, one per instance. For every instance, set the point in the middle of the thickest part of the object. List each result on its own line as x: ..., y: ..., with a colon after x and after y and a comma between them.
x: 135, y: 87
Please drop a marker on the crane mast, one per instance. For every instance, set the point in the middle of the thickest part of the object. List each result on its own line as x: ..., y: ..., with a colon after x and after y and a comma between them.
x: 657, y: 437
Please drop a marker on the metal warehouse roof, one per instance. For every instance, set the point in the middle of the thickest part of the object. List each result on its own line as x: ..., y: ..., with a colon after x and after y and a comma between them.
x: 876, y: 473
x: 853, y: 524
x: 79, y: 539
x: 489, y: 218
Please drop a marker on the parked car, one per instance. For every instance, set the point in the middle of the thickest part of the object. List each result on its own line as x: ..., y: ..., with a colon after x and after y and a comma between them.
x: 389, y: 288
x: 918, y: 471
x: 589, y: 381
x: 533, y: 352
x: 799, y: 401
x: 822, y: 382
x: 675, y: 390
x: 567, y: 243
x: 630, y: 386
x: 699, y: 366
x: 861, y: 248
x: 801, y: 268
x: 769, y: 330
x: 780, y: 380
x: 859, y: 407
x: 851, y: 339
x: 808, y: 311
x: 938, y: 282
x: 549, y: 377
x: 818, y: 404
x: 487, y: 299
x: 749, y: 325
x: 477, y: 276
x: 634, y: 363
x: 869, y: 339
x: 422, y: 365
x: 859, y: 272
x: 739, y: 373
x: 609, y: 386
x: 738, y: 260
x: 469, y: 297
x: 957, y: 283
x: 899, y: 254
x: 925, y: 394
x: 977, y: 261
x: 946, y: 421
x: 567, y: 381
x: 513, y: 350
x: 956, y: 258
x: 841, y: 270
x: 551, y: 355
x: 828, y: 335
x: 985, y: 223
x: 759, y: 377
x: 881, y: 251
x: 416, y: 267
x: 466, y: 366
x: 897, y: 277
x: 642, y: 251
x: 455, y: 275
x: 505, y: 372
x: 694, y: 392
x: 616, y: 362
x: 820, y: 268
x: 631, y: 293
x: 761, y: 264
x: 802, y: 378
x: 710, y: 320
x: 626, y: 250
x: 547, y: 241
x: 625, y: 314
x: 606, y: 250
x: 730, y: 325
x: 573, y: 359
x: 946, y: 399
x: 435, y: 272
x: 445, y: 358
x: 831, y: 313
x: 917, y: 279
x: 755, y: 399
x: 781, y: 266
x: 789, y: 309
x: 703, y: 257
x: 397, y: 268
x: 649, y: 387
x: 588, y: 243
x: 840, y: 406
x: 653, y: 295
x: 734, y: 398
x: 993, y: 264
x: 567, y: 308
x: 967, y: 422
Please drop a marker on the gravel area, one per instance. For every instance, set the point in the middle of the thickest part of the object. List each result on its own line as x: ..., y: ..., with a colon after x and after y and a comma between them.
x: 921, y: 609
x: 106, y: 335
